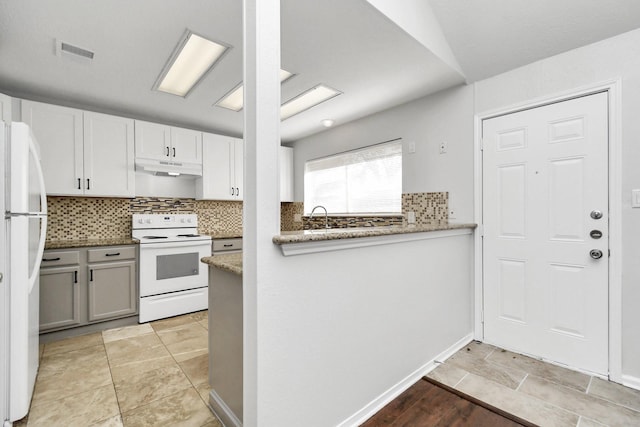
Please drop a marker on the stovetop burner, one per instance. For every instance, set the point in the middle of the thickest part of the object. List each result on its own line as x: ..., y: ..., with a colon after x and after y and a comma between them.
x: 154, y: 237
x: 188, y: 235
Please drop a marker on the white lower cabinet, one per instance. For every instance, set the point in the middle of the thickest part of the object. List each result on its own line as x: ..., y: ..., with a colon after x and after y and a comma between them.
x: 222, y: 168
x: 81, y: 286
x: 82, y: 152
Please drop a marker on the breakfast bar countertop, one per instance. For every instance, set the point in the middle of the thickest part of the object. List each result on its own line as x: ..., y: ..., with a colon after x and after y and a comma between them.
x: 301, y: 236
x: 84, y: 243
x: 228, y: 262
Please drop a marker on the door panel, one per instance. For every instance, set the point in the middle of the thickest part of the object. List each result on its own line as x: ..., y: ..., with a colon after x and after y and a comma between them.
x: 544, y: 171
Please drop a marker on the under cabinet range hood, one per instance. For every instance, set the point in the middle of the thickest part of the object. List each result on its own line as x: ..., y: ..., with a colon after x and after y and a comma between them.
x: 168, y: 168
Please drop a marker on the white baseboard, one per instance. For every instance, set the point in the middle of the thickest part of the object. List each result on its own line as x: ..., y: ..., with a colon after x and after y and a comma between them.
x: 632, y: 382
x: 378, y: 403
x: 222, y: 411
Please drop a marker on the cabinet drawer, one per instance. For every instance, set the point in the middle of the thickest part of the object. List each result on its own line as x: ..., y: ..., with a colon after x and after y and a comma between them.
x: 54, y: 259
x: 111, y: 254
x: 227, y: 245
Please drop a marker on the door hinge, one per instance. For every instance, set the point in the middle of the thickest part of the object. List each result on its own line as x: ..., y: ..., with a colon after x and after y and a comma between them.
x: 609, y: 251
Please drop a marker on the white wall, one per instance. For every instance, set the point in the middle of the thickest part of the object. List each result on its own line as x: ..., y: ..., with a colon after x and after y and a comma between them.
x: 618, y: 57
x: 449, y: 115
x: 445, y: 116
x: 338, y: 329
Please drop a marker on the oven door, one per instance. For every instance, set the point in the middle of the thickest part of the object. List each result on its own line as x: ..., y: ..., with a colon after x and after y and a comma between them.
x: 171, y: 267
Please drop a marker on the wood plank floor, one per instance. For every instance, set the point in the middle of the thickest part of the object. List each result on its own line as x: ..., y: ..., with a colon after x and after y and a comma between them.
x: 425, y: 404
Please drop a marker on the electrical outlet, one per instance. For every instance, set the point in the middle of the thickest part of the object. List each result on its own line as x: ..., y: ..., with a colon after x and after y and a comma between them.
x: 411, y: 217
x: 444, y: 146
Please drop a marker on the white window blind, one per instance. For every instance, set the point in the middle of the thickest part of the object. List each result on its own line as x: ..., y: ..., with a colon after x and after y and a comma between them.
x: 363, y: 181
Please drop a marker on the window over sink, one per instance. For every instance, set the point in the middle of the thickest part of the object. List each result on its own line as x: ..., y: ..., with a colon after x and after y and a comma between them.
x: 357, y: 182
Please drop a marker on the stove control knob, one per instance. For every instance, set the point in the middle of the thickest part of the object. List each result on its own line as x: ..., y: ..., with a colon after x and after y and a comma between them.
x: 189, y: 220
x: 182, y: 220
x: 140, y: 221
x: 148, y: 221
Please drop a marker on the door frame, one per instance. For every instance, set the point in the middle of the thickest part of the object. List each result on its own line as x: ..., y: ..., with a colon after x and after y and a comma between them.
x: 613, y: 88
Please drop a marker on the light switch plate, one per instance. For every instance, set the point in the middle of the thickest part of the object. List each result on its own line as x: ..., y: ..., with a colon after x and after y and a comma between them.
x: 635, y: 198
x: 412, y: 147
x: 297, y: 218
x: 411, y: 217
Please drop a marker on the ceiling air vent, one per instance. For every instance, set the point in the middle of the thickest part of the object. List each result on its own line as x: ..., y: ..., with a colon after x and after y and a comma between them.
x: 73, y: 51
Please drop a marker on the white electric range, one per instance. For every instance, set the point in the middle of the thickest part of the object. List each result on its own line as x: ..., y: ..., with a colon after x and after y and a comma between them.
x: 173, y: 281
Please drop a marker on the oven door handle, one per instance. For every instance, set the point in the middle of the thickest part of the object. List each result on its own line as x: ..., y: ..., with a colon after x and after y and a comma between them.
x: 170, y: 245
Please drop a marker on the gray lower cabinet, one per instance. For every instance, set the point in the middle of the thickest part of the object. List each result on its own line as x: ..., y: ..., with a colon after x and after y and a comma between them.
x: 87, y: 285
x: 112, y: 290
x: 60, y: 292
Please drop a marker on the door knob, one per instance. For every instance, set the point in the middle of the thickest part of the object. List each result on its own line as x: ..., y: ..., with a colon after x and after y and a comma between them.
x: 596, y: 214
x: 595, y: 253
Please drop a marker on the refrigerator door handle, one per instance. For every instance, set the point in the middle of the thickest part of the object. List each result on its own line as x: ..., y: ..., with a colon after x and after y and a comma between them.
x: 33, y: 277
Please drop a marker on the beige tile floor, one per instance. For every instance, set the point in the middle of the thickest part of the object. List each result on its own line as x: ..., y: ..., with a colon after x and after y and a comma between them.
x: 542, y: 393
x: 154, y: 374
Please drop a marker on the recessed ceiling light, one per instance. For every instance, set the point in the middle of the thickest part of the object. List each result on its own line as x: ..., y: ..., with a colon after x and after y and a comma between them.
x: 327, y: 123
x: 306, y: 100
x: 192, y: 59
x: 234, y: 100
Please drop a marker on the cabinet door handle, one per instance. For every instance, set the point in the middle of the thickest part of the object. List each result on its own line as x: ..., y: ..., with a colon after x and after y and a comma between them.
x: 51, y: 259
x: 237, y: 191
x: 91, y: 275
x: 88, y: 184
x: 229, y: 245
x: 75, y: 277
x: 79, y: 185
x: 116, y: 254
x: 232, y: 191
x: 174, y: 151
x: 167, y: 151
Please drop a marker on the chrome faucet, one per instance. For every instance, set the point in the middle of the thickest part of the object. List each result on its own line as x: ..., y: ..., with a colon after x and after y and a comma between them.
x: 326, y: 216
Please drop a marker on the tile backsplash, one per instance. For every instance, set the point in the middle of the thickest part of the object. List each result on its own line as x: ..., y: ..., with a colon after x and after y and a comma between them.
x: 430, y: 208
x: 80, y: 218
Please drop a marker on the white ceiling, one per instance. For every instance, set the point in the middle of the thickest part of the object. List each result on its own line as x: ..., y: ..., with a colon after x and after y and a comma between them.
x: 492, y: 36
x: 348, y: 45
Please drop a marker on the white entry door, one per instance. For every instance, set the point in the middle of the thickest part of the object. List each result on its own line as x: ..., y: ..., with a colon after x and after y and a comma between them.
x: 545, y: 216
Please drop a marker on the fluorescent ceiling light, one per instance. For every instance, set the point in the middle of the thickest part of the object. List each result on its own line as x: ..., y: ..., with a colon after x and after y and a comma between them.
x: 327, y: 123
x: 234, y: 100
x: 193, y: 58
x: 306, y: 100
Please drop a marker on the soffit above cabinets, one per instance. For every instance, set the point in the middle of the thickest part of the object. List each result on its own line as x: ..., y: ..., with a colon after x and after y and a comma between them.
x: 376, y: 56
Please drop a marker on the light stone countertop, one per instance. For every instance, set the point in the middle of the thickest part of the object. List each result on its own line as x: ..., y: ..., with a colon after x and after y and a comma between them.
x: 227, y: 262
x: 224, y: 234
x: 351, y: 233
x: 65, y: 244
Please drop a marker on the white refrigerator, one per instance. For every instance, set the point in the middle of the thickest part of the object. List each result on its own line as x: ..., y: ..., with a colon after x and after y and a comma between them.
x: 25, y: 227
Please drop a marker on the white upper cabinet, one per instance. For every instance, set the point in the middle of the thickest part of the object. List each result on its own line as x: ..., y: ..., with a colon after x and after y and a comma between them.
x: 167, y: 143
x: 186, y: 145
x: 286, y: 174
x: 153, y: 140
x: 5, y: 108
x: 222, y: 168
x: 82, y: 153
x: 108, y: 155
x: 58, y: 131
